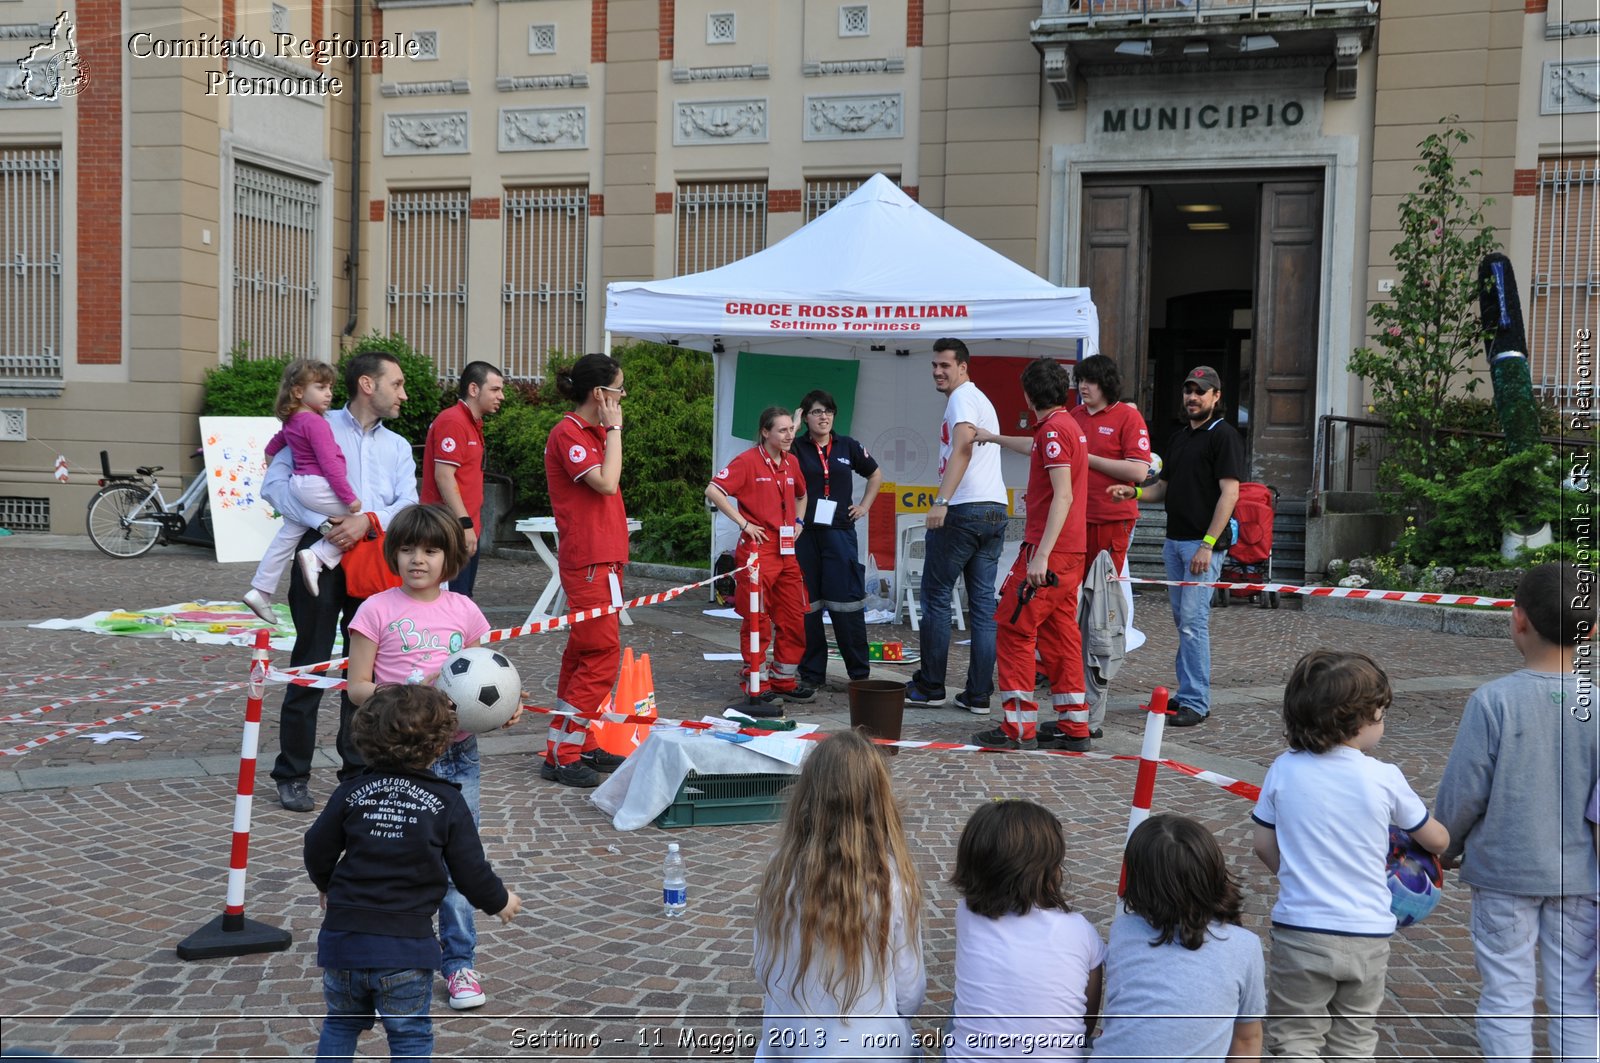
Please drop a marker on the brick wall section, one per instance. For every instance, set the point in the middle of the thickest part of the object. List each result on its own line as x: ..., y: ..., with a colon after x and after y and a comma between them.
x: 597, y: 205
x: 100, y: 162
x: 1524, y: 182
x: 230, y: 22
x: 663, y: 202
x: 597, y: 31
x: 914, y: 23
x: 912, y: 191
x: 784, y: 200
x: 377, y: 35
x: 484, y: 208
x: 319, y: 16
x: 664, y: 28
x: 1536, y: 7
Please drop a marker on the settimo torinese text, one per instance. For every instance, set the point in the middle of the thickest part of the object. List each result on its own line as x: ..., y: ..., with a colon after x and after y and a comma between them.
x: 283, y: 46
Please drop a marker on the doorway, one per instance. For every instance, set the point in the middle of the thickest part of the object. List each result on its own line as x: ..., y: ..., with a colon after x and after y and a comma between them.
x: 1223, y: 270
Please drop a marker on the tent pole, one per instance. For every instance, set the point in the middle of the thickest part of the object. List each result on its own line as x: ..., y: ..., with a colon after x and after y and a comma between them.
x: 607, y: 347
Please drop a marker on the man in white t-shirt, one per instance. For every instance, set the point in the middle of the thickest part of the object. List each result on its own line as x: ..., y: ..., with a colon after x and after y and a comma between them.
x: 966, y: 528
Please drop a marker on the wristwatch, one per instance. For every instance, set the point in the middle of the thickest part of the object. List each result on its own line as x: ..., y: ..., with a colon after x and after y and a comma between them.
x: 325, y: 527
x: 613, y: 428
x: 466, y: 522
x: 940, y: 500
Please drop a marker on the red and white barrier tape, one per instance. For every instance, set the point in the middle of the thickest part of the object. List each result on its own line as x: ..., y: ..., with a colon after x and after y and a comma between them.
x: 98, y: 695
x: 1421, y: 597
x: 143, y: 710
x: 299, y: 675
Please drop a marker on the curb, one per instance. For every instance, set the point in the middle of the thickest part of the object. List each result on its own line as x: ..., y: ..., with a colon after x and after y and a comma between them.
x: 1450, y: 620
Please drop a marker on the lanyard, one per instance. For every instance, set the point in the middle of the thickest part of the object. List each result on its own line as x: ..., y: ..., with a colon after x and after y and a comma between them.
x: 825, y: 453
x: 777, y: 482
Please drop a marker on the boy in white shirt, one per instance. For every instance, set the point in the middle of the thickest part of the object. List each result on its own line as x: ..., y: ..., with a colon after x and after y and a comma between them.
x: 1322, y: 826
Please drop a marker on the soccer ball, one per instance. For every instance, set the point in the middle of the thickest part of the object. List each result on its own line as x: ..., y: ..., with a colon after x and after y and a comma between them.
x: 1155, y: 470
x: 484, y: 686
x: 1416, y: 881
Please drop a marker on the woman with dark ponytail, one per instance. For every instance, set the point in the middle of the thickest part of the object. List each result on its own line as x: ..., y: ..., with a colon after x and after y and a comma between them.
x: 583, y: 463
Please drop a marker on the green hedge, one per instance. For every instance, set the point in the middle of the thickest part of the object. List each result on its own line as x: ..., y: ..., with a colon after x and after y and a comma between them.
x: 666, y: 451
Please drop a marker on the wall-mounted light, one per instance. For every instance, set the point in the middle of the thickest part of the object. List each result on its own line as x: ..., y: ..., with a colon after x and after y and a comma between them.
x: 1199, y: 208
x: 1209, y: 226
x: 1196, y: 50
x: 1260, y: 42
x: 1145, y: 48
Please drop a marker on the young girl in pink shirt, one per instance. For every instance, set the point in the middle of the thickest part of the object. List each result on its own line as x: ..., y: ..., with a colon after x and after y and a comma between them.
x: 319, y: 481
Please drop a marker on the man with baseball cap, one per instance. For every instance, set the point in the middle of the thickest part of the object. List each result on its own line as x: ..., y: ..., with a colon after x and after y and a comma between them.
x: 1203, y: 465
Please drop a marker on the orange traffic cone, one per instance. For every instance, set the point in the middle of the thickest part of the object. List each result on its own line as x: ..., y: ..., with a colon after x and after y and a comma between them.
x: 618, y: 738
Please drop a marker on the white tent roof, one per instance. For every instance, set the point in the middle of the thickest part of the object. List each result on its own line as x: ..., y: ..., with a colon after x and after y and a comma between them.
x: 877, y: 269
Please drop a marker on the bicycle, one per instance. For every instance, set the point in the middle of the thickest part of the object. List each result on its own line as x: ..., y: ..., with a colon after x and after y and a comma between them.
x: 129, y: 514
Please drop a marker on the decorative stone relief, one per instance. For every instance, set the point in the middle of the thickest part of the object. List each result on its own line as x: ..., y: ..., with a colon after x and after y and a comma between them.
x: 532, y: 82
x: 427, y: 47
x: 813, y: 68
x: 871, y: 117
x: 543, y: 128
x: 1571, y: 88
x: 748, y: 72
x: 448, y: 87
x: 1060, y: 76
x: 428, y: 133
x: 720, y: 122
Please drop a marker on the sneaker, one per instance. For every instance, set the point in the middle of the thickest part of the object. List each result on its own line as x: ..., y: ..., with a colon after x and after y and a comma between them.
x: 576, y: 774
x: 976, y: 706
x: 800, y: 693
x: 1097, y: 734
x: 601, y: 761
x: 996, y: 738
x: 1055, y: 738
x: 1186, y: 717
x: 310, y: 570
x: 916, y: 694
x: 465, y: 990
x: 296, y: 796
x: 261, y: 605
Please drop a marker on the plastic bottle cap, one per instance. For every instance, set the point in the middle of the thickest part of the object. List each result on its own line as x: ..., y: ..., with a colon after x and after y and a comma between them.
x: 672, y: 847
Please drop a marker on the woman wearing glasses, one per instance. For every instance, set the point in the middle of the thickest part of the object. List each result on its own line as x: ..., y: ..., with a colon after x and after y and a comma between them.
x: 583, y: 463
x: 828, y: 552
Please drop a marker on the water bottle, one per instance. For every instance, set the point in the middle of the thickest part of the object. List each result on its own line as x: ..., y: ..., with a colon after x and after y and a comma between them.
x: 674, y: 884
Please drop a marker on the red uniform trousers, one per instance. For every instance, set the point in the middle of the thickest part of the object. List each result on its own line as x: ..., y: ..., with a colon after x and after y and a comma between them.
x: 1048, y: 623
x: 783, y: 606
x: 589, y: 664
x: 1113, y: 536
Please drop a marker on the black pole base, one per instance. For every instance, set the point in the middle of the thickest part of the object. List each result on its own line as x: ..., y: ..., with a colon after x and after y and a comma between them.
x: 240, y: 937
x: 757, y: 710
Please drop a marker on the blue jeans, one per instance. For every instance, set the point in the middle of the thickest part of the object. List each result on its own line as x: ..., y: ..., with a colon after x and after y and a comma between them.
x: 967, y: 547
x: 458, y: 932
x: 401, y: 1000
x: 1191, y: 613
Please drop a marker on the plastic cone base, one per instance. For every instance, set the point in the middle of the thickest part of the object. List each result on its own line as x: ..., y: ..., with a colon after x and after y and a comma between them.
x: 213, y: 940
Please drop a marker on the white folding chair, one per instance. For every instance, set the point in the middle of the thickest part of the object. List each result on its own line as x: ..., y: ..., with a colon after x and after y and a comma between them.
x: 910, y: 551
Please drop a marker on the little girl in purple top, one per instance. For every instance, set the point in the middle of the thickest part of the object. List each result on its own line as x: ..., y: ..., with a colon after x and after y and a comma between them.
x: 319, y: 481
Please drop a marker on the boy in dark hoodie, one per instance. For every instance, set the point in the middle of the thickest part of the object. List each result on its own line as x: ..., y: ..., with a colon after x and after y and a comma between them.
x: 378, y: 854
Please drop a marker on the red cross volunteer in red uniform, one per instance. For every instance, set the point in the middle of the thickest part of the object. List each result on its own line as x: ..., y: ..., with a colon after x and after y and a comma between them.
x: 1034, y: 610
x: 1119, y: 453
x: 452, y: 459
x: 583, y: 464
x: 770, y: 492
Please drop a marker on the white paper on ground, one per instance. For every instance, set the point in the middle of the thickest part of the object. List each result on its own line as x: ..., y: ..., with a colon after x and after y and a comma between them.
x: 723, y: 614
x: 724, y: 656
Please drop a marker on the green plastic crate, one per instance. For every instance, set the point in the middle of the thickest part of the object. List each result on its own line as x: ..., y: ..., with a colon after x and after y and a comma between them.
x: 705, y: 800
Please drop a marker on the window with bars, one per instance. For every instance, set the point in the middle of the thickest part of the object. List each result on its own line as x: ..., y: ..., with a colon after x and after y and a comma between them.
x: 546, y: 263
x: 719, y: 223
x: 30, y: 265
x: 825, y: 193
x: 275, y: 263
x: 427, y: 290
x: 1565, y: 289
x: 720, y: 28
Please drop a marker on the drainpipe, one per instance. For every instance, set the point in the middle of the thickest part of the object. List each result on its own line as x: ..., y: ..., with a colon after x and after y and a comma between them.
x: 352, y: 258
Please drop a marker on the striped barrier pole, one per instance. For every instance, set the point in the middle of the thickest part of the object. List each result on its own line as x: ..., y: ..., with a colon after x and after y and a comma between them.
x: 231, y: 934
x: 755, y: 626
x: 1144, y: 786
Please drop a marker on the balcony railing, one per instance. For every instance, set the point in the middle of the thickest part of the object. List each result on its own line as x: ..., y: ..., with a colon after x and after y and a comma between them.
x: 1088, y: 12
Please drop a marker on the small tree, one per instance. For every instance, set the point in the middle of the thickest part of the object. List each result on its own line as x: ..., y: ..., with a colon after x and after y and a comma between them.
x: 1428, y: 333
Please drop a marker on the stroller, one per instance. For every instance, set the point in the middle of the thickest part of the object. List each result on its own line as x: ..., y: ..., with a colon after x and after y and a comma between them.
x: 1250, y: 557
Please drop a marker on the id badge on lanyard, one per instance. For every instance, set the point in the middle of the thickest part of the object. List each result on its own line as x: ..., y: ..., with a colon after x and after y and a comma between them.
x: 786, y: 539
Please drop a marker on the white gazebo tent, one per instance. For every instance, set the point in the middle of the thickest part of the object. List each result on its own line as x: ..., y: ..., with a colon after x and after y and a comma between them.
x: 876, y: 277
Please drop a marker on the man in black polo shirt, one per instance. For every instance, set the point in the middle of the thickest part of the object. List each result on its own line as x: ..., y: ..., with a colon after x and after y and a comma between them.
x: 1200, y: 475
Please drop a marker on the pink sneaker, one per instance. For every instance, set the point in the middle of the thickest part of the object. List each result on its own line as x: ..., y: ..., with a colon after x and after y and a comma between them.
x: 465, y: 992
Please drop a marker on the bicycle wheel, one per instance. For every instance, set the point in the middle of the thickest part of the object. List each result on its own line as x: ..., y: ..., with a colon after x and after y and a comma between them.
x: 120, y: 523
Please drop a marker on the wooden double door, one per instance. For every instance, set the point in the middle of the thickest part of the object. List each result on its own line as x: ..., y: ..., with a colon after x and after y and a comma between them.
x: 1277, y: 383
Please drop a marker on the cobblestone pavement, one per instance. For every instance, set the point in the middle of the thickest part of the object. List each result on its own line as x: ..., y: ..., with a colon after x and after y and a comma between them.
x: 110, y: 854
